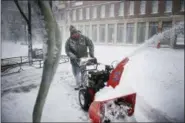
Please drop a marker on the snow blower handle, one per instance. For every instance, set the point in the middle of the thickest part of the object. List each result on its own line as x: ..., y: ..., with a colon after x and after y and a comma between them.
x: 84, y: 62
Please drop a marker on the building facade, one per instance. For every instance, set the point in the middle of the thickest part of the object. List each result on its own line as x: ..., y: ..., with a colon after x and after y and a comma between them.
x: 120, y: 22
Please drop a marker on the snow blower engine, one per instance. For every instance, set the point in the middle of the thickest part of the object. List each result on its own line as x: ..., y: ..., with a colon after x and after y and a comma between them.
x: 93, y: 80
x: 96, y: 76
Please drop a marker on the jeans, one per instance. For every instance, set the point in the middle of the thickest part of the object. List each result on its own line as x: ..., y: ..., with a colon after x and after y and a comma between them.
x: 77, y: 74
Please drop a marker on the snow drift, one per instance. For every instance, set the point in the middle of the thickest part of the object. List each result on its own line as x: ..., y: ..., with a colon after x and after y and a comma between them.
x: 157, y: 75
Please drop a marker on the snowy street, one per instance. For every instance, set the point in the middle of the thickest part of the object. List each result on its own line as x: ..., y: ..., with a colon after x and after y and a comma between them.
x: 157, y: 75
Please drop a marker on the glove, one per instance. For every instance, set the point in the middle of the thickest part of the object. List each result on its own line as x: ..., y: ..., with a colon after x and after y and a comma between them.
x: 94, y: 60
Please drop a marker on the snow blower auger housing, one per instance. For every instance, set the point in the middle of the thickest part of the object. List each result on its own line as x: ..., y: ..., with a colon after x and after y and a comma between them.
x: 95, y: 79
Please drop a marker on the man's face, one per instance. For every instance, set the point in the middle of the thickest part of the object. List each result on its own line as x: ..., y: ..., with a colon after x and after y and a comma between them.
x: 75, y: 35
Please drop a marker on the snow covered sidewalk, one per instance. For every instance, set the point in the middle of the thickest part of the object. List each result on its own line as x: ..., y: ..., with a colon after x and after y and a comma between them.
x: 157, y: 75
x: 61, y: 105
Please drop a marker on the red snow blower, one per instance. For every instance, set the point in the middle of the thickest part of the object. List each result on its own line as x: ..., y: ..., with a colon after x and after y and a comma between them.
x: 94, y: 80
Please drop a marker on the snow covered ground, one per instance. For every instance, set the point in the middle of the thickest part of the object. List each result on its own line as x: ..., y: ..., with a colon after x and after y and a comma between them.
x: 19, y: 93
x: 157, y: 75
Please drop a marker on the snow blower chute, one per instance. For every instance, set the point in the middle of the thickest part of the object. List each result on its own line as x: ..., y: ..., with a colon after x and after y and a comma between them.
x: 94, y: 80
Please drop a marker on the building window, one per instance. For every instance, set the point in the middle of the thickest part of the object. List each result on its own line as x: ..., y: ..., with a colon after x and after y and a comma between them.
x: 155, y: 6
x: 166, y: 26
x: 141, y: 32
x: 80, y: 14
x: 68, y: 16
x: 142, y: 6
x: 121, y: 9
x: 102, y: 32
x: 111, y: 33
x: 111, y: 11
x: 80, y: 28
x: 153, y: 28
x: 168, y: 6
x: 87, y: 13
x: 94, y: 33
x: 130, y: 33
x: 87, y: 29
x: 182, y: 5
x: 94, y: 12
x: 74, y: 15
x: 103, y: 11
x: 120, y: 33
x: 131, y: 8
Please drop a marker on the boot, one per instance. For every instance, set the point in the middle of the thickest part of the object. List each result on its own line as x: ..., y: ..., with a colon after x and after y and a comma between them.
x: 76, y: 88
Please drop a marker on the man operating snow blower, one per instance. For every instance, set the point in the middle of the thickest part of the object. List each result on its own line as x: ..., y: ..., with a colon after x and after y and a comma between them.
x: 76, y: 47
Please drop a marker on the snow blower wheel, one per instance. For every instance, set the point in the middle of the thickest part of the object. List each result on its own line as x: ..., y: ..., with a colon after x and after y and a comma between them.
x: 84, y: 99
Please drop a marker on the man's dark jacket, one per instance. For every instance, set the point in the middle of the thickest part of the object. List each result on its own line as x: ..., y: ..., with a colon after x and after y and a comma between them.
x: 77, y: 48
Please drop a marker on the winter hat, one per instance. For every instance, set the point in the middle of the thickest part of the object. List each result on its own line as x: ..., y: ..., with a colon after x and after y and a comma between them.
x: 72, y: 29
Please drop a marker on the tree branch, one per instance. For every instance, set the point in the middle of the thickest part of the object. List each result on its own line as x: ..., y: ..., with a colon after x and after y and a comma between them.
x: 50, y: 3
x: 20, y: 10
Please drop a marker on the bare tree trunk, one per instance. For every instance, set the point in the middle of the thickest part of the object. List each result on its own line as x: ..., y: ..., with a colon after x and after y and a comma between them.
x: 29, y: 34
x: 50, y: 3
x: 28, y: 21
x: 51, y: 61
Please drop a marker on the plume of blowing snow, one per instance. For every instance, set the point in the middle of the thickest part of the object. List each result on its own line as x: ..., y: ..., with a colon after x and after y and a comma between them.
x: 109, y: 92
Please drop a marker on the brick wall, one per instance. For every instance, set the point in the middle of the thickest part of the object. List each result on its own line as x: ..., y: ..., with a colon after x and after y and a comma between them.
x: 148, y: 11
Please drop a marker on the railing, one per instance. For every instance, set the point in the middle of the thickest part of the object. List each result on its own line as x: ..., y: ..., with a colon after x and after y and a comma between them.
x: 8, y: 64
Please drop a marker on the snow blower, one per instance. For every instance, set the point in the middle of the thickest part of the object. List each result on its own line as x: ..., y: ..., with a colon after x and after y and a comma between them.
x: 95, y: 79
x: 108, y: 110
